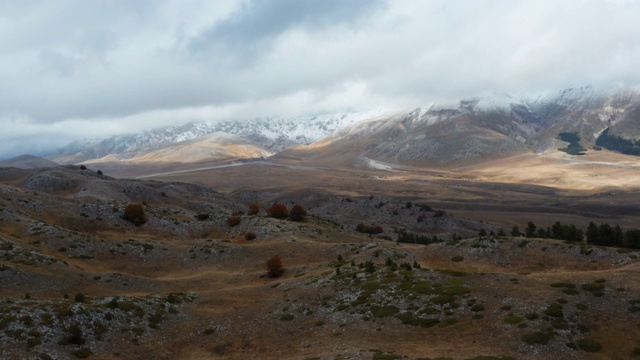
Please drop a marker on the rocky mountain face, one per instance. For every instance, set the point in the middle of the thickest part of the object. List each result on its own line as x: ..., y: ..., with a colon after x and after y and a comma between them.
x: 467, y: 131
x: 483, y: 129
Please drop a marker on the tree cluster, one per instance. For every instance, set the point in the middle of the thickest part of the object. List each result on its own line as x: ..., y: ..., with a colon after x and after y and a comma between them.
x: 280, y: 211
x: 617, y: 143
x: 602, y: 234
x: 557, y: 231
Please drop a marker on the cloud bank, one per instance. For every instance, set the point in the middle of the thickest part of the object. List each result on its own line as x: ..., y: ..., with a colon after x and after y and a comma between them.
x: 74, y: 68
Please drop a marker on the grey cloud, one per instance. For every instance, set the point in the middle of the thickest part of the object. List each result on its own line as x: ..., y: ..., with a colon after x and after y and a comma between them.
x: 252, y: 28
x: 101, y: 63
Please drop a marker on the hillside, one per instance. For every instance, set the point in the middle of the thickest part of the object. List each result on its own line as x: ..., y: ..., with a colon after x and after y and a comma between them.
x: 80, y: 280
x: 27, y: 162
x: 270, y: 134
x: 477, y: 130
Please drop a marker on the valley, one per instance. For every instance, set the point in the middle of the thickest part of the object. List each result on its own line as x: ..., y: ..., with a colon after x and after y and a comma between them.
x: 195, y: 286
x: 433, y: 233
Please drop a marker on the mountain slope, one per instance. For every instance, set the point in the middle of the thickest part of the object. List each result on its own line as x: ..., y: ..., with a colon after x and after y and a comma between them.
x: 27, y: 162
x: 216, y: 146
x: 477, y: 130
x: 272, y: 134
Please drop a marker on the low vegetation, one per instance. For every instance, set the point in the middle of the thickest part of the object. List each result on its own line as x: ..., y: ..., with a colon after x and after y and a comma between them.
x: 275, y: 266
x: 278, y: 211
x: 135, y: 213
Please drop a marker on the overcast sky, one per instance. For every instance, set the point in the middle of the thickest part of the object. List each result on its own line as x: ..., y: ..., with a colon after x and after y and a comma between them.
x: 76, y: 68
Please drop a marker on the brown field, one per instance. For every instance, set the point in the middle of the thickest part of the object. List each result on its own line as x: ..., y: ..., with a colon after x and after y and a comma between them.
x: 468, y: 298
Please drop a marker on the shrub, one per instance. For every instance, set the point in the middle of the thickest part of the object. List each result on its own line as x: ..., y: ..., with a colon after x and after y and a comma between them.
x: 278, y: 211
x: 512, y: 319
x: 254, y: 209
x: 79, y: 297
x: 82, y: 353
x: 589, y: 345
x: 275, y: 266
x: 439, y: 213
x: 531, y: 316
x: 74, y: 337
x: 135, y: 214
x: 538, y: 337
x: 202, y: 217
x: 457, y: 258
x: 369, y: 229
x: 297, y: 213
x: 287, y: 317
x: 233, y: 220
x: 82, y: 167
x: 99, y: 172
x: 249, y: 235
x: 554, y: 310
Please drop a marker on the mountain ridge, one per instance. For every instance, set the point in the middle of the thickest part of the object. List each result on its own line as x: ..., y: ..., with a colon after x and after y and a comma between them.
x: 470, y: 130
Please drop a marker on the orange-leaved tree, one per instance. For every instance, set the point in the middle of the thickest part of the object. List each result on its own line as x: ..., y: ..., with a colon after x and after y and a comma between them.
x: 275, y: 266
x: 254, y: 209
x: 234, y: 220
x: 278, y: 211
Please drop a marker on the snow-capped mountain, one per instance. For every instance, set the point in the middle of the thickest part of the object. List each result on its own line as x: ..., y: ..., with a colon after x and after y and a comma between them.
x: 481, y: 129
x: 270, y: 133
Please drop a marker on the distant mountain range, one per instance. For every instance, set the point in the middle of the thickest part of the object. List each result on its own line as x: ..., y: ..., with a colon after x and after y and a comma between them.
x: 27, y: 162
x: 269, y: 134
x: 469, y: 130
x: 483, y: 129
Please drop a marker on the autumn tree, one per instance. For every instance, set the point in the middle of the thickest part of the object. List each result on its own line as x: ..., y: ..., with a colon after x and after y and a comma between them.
x: 275, y: 266
x: 297, y: 213
x: 278, y: 211
x: 234, y: 220
x: 254, y: 209
x: 135, y: 213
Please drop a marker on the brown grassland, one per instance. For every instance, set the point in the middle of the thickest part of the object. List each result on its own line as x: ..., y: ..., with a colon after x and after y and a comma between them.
x: 178, y: 287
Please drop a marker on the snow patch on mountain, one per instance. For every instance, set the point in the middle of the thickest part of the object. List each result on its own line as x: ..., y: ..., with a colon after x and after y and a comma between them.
x: 270, y: 133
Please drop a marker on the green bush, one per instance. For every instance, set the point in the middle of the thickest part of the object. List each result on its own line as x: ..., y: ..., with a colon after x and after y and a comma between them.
x: 511, y: 319
x: 592, y: 287
x: 384, y: 311
x: 537, y: 338
x: 589, y: 345
x: 554, y: 310
x: 82, y: 353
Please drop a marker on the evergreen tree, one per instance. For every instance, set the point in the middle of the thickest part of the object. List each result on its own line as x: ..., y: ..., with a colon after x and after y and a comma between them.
x: 530, y: 231
x: 515, y: 231
x: 617, y: 236
x: 632, y: 239
x: 593, y: 234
